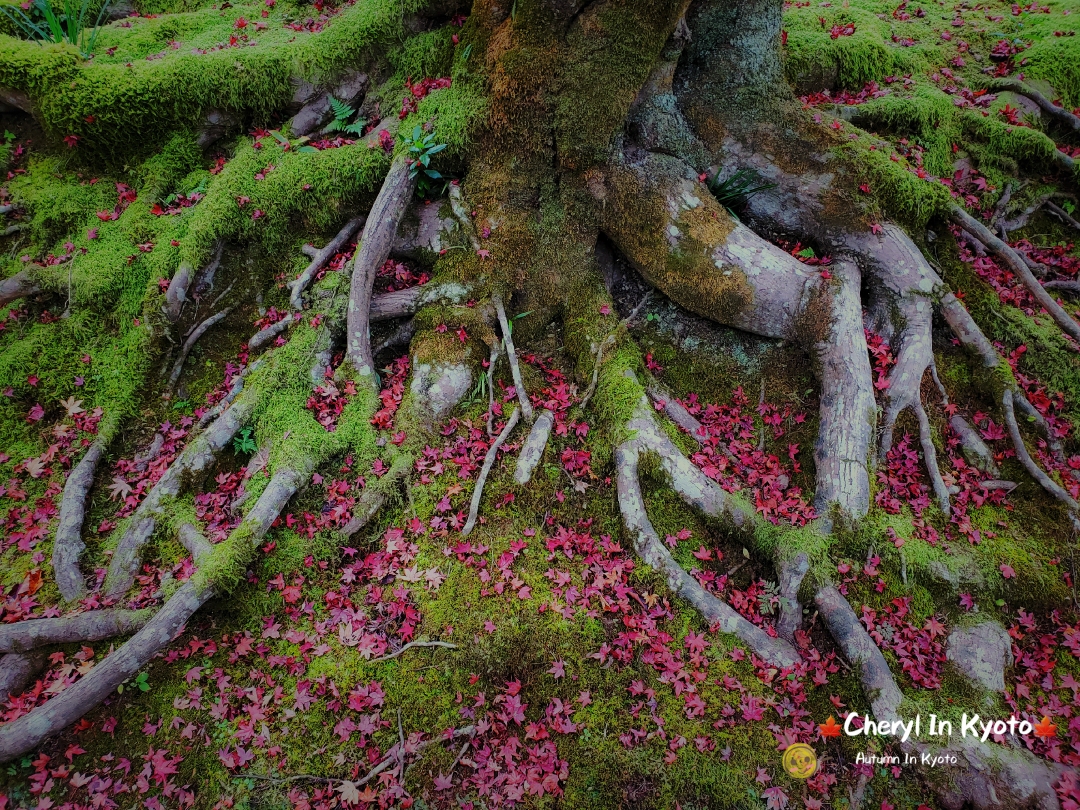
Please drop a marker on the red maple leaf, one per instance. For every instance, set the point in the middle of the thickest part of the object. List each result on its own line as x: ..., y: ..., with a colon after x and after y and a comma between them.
x: 830, y: 728
x: 1045, y: 729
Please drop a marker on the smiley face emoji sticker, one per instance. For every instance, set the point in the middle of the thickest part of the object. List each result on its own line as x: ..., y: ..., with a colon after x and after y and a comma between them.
x: 800, y: 761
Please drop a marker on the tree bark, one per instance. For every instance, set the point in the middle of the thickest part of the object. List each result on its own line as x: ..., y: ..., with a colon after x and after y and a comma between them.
x: 373, y: 250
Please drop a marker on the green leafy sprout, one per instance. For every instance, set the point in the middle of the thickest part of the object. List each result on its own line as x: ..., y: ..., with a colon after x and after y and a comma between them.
x: 342, y: 113
x: 67, y: 22
x: 244, y: 442
x: 421, y: 148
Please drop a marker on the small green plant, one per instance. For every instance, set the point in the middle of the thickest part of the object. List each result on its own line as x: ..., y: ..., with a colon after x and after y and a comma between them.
x: 141, y: 682
x: 1069, y: 207
x: 421, y: 148
x: 342, y: 113
x: 244, y: 442
x: 734, y: 192
x: 66, y: 22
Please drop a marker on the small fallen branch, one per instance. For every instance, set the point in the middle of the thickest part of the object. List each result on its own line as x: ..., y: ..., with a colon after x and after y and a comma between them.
x: 189, y: 344
x: 489, y: 460
x: 320, y: 258
x: 392, y: 754
x: 1019, y: 267
x: 411, y: 645
x: 511, y: 356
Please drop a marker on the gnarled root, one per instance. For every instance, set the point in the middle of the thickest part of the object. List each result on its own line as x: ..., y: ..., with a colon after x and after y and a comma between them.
x: 776, y: 652
x: 300, y: 284
x: 93, y: 625
x: 718, y: 268
x: 196, y: 457
x: 20, y: 285
x: 375, y: 497
x: 1046, y: 106
x: 374, y: 248
x: 68, y: 545
x: 27, y: 732
x: 273, y: 330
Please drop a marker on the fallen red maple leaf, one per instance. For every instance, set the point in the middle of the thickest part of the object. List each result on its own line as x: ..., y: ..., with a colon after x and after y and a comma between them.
x: 1045, y: 729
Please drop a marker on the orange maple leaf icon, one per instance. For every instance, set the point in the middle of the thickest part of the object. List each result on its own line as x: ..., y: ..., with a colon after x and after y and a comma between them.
x: 830, y: 728
x: 1046, y: 729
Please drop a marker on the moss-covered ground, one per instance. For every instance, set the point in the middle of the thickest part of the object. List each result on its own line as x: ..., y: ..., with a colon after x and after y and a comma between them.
x: 545, y: 602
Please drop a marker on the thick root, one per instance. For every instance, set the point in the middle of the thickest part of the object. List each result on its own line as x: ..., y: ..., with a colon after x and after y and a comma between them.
x: 17, y: 670
x: 29, y: 731
x: 760, y: 289
x: 533, y: 448
x: 1045, y: 105
x: 375, y: 244
x: 270, y: 332
x: 93, y: 625
x: 68, y: 545
x: 195, y: 458
x: 177, y: 293
x: 774, y: 651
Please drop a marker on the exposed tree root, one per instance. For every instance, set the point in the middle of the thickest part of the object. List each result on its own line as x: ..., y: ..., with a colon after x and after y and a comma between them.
x: 533, y: 448
x: 1019, y: 267
x: 320, y: 258
x: 20, y: 285
x: 412, y: 645
x: 196, y: 457
x: 398, y: 339
x: 176, y: 294
x: 68, y: 545
x: 375, y: 497
x: 93, y: 625
x: 971, y: 444
x: 194, y: 542
x: 273, y: 330
x: 373, y: 250
x: 17, y: 670
x: 1048, y: 107
x: 1063, y: 215
x: 27, y: 732
x: 1067, y: 287
x: 485, y: 470
x: 776, y: 652
x: 189, y: 344
x: 790, y: 574
x: 1033, y: 469
x: 983, y: 777
x: 762, y: 290
x: 511, y: 357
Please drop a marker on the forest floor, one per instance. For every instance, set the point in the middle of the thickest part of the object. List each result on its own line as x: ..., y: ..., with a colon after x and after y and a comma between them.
x: 584, y: 682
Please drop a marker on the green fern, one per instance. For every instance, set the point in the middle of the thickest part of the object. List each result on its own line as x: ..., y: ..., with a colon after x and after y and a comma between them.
x: 342, y: 113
